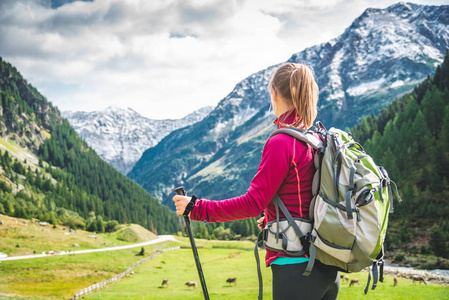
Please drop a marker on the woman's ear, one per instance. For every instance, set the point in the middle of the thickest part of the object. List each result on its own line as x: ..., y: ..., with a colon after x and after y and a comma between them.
x: 274, y: 95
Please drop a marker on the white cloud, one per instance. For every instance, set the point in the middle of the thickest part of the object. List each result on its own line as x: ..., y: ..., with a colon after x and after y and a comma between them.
x: 161, y: 58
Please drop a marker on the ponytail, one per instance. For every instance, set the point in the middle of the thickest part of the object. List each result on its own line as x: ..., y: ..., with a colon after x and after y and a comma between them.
x: 296, y: 84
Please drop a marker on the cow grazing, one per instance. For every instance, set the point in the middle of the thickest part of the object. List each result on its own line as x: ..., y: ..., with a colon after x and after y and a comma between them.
x: 191, y: 283
x: 354, y: 281
x: 419, y: 279
x: 164, y: 282
x: 347, y: 278
x: 232, y: 280
x: 395, y: 281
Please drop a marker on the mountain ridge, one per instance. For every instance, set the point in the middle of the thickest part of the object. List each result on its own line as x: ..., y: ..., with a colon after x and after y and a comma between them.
x: 385, y: 41
x: 120, y: 136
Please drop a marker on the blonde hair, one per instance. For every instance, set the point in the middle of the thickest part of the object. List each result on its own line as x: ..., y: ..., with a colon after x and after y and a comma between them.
x: 296, y: 83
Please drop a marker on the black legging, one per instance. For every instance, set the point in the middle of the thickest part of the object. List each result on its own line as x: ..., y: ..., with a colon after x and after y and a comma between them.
x: 289, y: 283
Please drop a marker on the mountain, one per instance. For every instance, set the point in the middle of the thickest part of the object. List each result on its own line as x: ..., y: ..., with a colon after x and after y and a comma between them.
x: 120, y: 136
x: 48, y: 172
x: 382, y: 55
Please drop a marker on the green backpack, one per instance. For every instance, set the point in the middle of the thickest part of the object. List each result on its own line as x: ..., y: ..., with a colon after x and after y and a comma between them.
x: 349, y: 210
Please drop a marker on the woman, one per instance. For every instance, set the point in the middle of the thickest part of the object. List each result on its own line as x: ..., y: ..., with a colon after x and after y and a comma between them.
x: 286, y: 169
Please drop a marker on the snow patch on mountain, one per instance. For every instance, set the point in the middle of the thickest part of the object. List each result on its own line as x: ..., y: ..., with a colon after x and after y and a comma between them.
x: 366, y: 86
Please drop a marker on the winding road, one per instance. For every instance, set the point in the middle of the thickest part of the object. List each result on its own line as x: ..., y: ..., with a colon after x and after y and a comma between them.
x: 159, y: 239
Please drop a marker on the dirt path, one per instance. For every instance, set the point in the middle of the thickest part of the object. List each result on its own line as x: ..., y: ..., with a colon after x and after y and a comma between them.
x: 160, y: 239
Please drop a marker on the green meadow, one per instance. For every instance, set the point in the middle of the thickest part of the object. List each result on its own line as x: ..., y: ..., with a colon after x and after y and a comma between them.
x: 219, y: 264
x: 59, y: 277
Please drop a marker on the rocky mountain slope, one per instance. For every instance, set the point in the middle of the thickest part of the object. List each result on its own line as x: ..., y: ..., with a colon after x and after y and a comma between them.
x: 383, y: 54
x: 120, y: 136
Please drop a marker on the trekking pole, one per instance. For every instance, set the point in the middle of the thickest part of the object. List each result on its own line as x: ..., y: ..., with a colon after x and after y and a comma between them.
x: 182, y: 192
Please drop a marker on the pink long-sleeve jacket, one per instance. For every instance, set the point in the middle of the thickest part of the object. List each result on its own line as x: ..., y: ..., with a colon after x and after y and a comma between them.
x: 286, y: 168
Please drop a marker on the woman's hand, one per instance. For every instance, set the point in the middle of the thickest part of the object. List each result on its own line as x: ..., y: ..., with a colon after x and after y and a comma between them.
x: 260, y: 223
x: 181, y: 203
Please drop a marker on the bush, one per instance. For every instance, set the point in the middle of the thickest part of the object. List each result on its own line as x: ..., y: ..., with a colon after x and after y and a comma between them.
x: 437, y: 241
x: 111, y: 226
x: 92, y: 227
x: 141, y: 253
x: 399, y: 257
x: 425, y: 250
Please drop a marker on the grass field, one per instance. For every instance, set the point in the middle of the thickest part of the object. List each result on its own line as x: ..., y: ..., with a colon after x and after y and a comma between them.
x: 59, y: 277
x: 179, y: 267
x: 219, y: 264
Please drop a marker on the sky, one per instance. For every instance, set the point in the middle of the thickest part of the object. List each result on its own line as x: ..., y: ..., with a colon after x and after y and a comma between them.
x: 161, y: 58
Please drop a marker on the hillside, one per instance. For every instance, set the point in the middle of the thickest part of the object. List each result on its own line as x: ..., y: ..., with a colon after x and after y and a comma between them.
x: 411, y: 139
x: 25, y: 237
x: 382, y: 55
x: 48, y: 172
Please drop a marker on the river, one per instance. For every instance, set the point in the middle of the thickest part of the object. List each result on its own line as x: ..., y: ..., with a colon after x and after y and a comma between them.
x: 439, y: 275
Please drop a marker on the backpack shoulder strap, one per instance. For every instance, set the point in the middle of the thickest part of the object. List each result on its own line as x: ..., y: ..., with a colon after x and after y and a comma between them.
x: 306, y: 136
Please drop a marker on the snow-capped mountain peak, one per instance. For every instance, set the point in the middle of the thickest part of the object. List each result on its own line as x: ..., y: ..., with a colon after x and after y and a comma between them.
x: 120, y: 136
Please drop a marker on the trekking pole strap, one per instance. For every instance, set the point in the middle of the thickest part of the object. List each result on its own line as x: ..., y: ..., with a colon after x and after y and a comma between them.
x: 189, y: 206
x: 259, y: 272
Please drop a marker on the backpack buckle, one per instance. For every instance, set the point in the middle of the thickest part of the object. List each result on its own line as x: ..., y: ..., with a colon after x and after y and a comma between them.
x: 310, y: 238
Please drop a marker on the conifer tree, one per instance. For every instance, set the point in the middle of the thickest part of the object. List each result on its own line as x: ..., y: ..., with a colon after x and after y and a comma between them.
x: 437, y: 241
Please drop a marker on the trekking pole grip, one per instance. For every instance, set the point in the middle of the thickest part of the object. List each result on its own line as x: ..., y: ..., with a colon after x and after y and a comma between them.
x: 180, y: 191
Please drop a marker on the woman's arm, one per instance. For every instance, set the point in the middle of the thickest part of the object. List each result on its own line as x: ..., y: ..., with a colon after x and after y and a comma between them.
x: 273, y: 169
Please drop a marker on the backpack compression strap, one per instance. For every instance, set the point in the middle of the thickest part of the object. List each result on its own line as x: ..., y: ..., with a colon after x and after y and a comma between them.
x: 305, y: 238
x: 302, y: 237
